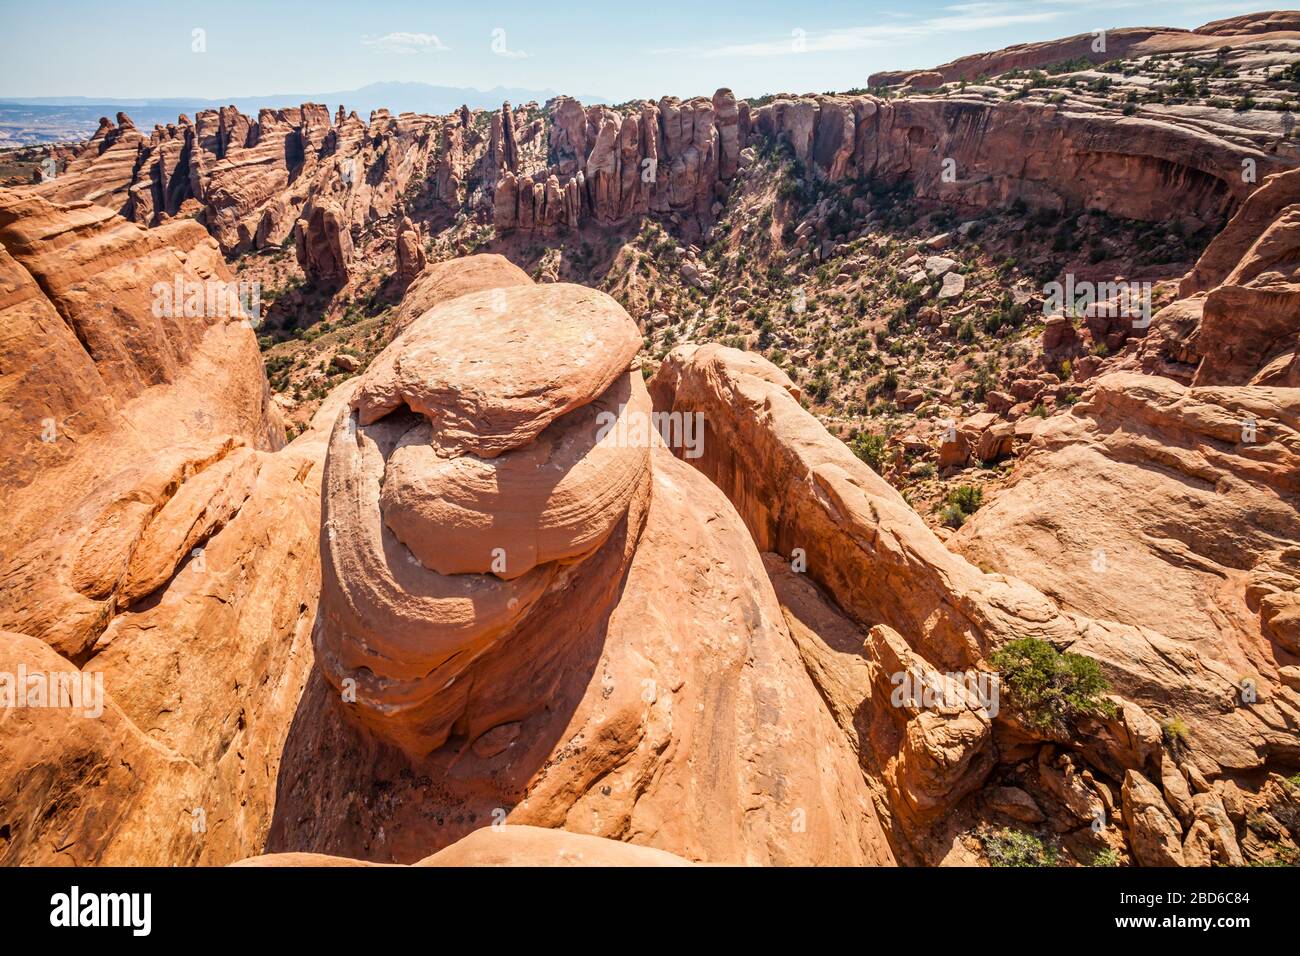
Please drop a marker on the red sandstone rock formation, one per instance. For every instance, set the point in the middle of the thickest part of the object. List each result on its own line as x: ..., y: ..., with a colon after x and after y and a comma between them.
x: 513, y: 623
x: 251, y: 181
x: 518, y: 612
x: 1129, y: 42
x: 410, y: 252
x: 1176, y: 614
x: 324, y: 244
x: 505, y: 845
x: 154, y: 537
x: 1062, y: 159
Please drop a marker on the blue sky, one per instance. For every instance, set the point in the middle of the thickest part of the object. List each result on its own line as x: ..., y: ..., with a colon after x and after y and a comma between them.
x: 618, y: 49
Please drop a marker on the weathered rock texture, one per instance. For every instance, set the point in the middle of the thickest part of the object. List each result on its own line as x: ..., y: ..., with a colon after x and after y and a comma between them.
x: 410, y: 252
x: 250, y: 180
x: 1175, y: 506
x: 1129, y: 42
x: 1063, y: 158
x: 1171, y: 623
x: 153, y: 537
x: 323, y: 245
x: 440, y: 281
x: 526, y: 618
x: 563, y: 166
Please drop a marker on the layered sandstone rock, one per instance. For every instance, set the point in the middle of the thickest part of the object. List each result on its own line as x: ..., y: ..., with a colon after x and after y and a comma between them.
x: 103, y: 171
x: 609, y: 165
x: 154, y: 540
x: 516, y: 580
x: 1143, y: 455
x: 1062, y: 158
x: 1183, y: 501
x: 1101, y: 46
x: 797, y: 488
x: 410, y: 252
x: 1249, y: 328
x: 250, y: 180
x: 439, y: 282
x: 1175, y: 636
x: 323, y: 244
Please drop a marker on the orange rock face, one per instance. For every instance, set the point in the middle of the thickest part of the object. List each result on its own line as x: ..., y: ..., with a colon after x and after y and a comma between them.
x: 585, y: 640
x: 1175, y: 508
x: 561, y: 672
x: 506, y: 845
x: 154, y: 539
x: 509, y: 599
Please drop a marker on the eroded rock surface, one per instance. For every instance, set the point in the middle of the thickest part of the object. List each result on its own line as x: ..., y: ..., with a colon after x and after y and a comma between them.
x: 583, y: 685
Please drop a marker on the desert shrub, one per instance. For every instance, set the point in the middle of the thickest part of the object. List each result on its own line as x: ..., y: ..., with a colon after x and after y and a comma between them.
x: 1174, y: 731
x: 1051, y: 689
x: 871, y: 449
x: 967, y: 497
x: 952, y: 517
x: 1008, y: 847
x: 1106, y: 857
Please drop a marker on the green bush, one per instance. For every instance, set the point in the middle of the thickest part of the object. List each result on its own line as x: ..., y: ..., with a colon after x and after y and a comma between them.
x: 1009, y: 847
x: 871, y: 449
x: 967, y: 497
x: 1051, y: 689
x: 1174, y: 732
x: 952, y: 516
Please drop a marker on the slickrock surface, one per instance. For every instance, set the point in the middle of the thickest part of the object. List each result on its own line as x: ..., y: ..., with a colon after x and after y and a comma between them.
x: 860, y: 539
x: 506, y: 845
x: 644, y: 689
x: 1127, y: 42
x: 1250, y: 313
x: 115, y: 405
x: 482, y: 611
x: 440, y: 281
x: 153, y: 538
x: 1167, y: 650
x: 1178, y: 507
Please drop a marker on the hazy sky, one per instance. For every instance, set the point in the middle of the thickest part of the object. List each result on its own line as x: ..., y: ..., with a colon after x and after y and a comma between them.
x: 618, y: 49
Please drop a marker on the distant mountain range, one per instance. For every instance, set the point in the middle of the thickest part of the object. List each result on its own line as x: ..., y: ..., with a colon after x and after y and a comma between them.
x: 26, y: 120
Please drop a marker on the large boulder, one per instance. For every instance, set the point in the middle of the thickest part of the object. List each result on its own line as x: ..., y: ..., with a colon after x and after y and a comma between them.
x: 536, y: 657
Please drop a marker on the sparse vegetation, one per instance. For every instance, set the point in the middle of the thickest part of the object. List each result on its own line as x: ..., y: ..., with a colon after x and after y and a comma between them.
x: 1007, y: 847
x: 1049, y: 689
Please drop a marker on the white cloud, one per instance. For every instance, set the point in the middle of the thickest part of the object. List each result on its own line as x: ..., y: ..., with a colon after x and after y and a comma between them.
x: 402, y: 42
x: 967, y: 16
